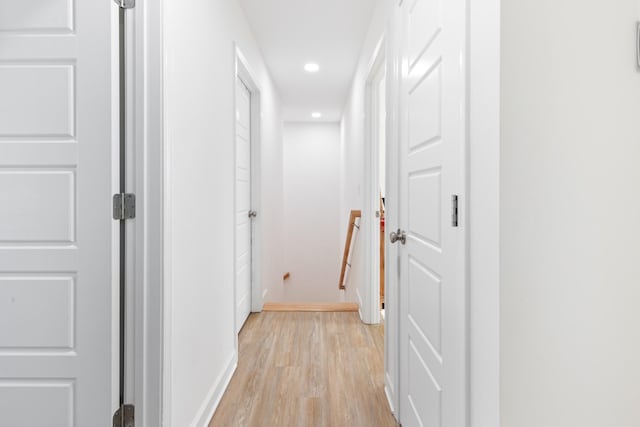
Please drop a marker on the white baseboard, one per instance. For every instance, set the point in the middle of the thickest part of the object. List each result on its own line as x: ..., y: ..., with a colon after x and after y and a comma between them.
x: 206, y: 411
x: 360, y: 305
x: 386, y: 393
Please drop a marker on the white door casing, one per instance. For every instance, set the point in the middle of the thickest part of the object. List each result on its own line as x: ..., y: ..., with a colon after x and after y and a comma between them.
x: 243, y: 223
x: 432, y: 168
x: 58, y: 242
x: 379, y: 89
x: 392, y: 220
x: 370, y: 222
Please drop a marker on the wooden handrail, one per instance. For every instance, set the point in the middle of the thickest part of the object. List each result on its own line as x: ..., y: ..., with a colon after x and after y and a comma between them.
x: 347, y: 246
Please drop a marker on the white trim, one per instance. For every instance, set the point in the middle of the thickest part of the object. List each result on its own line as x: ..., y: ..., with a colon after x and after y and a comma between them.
x: 371, y: 232
x: 134, y: 243
x: 392, y: 296
x: 167, y: 273
x: 243, y: 71
x: 115, y: 226
x: 360, y: 305
x: 389, y: 399
x: 208, y: 408
x: 146, y: 116
x: 484, y: 212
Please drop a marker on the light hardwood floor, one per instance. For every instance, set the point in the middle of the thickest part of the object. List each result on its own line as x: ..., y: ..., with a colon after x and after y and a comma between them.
x: 307, y: 369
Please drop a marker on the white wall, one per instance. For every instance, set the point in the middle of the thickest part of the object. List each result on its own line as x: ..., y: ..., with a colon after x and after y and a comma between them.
x: 353, y: 140
x: 199, y: 220
x: 271, y: 213
x: 570, y: 260
x: 312, y: 242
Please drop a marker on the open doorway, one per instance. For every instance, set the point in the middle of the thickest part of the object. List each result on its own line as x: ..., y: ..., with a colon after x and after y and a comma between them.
x: 380, y: 124
x: 375, y: 175
x: 247, y: 289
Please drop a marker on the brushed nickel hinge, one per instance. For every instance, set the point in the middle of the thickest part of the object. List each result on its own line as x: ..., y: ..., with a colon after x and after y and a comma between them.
x: 124, y: 416
x: 126, y: 4
x: 124, y: 206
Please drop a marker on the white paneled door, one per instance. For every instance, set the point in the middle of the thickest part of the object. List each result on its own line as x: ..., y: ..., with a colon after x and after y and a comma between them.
x: 243, y: 204
x: 432, y: 170
x: 57, y: 246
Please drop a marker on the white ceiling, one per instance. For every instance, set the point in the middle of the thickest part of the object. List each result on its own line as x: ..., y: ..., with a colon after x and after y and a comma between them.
x: 291, y: 33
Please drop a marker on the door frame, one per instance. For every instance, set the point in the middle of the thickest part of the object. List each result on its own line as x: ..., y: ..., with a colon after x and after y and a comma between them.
x: 146, y: 233
x: 483, y: 206
x: 153, y: 364
x: 483, y: 192
x: 370, y: 223
x: 243, y: 71
x: 483, y: 211
x: 383, y: 54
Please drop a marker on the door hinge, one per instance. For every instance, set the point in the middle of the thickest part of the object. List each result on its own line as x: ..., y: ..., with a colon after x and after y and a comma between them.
x: 124, y: 416
x: 124, y: 206
x: 126, y: 4
x: 454, y: 210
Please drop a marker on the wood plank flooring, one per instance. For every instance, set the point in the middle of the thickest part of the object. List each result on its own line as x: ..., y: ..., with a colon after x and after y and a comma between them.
x: 307, y: 369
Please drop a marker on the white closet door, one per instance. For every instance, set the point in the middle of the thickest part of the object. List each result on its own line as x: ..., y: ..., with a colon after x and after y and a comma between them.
x: 57, y: 246
x: 243, y: 204
x: 432, y: 262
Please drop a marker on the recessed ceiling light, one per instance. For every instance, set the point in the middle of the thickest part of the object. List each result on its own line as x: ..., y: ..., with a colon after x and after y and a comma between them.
x: 316, y: 115
x: 311, y: 67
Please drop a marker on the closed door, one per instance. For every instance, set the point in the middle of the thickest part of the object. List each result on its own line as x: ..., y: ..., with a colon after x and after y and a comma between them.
x: 432, y: 263
x: 58, y: 242
x: 243, y: 211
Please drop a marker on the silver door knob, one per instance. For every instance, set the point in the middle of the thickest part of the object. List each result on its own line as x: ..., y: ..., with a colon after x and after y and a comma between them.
x: 253, y: 214
x: 398, y: 236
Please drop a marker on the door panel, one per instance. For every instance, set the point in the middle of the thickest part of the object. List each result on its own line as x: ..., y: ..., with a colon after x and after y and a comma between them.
x: 432, y: 264
x: 48, y: 218
x: 425, y: 394
x: 23, y: 113
x: 243, y: 204
x: 31, y: 16
x: 57, y: 251
x: 424, y: 22
x: 53, y: 398
x: 424, y: 108
x: 424, y: 304
x: 425, y: 188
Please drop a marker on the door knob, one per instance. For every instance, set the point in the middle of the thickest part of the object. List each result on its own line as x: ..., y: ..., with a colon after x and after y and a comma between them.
x: 253, y: 214
x: 398, y: 236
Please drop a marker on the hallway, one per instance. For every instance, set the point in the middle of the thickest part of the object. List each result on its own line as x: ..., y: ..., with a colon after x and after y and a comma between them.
x: 171, y: 173
x: 311, y: 369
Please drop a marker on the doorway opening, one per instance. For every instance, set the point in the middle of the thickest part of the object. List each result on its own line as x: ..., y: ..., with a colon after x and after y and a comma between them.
x: 248, y: 295
x: 379, y: 126
x: 376, y: 177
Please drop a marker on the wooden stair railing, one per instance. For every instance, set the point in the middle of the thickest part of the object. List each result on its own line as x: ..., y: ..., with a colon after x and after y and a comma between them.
x: 347, y: 246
